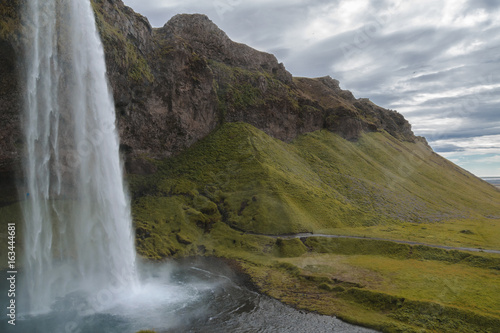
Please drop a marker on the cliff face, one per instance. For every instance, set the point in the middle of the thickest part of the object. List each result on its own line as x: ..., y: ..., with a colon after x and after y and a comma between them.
x: 178, y: 82
x: 174, y: 85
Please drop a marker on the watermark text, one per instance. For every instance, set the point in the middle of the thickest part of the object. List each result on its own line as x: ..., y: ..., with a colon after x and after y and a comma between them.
x: 11, y: 273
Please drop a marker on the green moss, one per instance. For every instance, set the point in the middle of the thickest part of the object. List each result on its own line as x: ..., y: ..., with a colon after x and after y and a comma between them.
x: 435, y: 317
x: 240, y: 176
x: 180, y: 187
x: 349, y: 246
x: 338, y: 289
x: 165, y: 226
x: 245, y: 95
x: 138, y: 67
x: 289, y: 248
x: 244, y: 90
x: 375, y: 300
x: 428, y: 315
x: 239, y: 180
x: 120, y: 47
x: 325, y: 286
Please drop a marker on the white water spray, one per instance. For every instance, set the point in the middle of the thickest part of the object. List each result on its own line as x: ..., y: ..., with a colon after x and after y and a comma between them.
x: 78, y: 235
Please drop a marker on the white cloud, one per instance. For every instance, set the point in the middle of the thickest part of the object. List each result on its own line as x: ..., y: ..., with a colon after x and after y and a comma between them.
x: 482, y: 165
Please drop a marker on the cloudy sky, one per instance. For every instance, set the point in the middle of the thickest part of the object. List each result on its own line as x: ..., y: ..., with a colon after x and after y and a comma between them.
x: 436, y: 62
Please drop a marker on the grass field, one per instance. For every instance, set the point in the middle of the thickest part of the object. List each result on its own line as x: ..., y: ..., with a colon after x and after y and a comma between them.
x: 239, y: 180
x: 387, y: 291
x: 476, y: 233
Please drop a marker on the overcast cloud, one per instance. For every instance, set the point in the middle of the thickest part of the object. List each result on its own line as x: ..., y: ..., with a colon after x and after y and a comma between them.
x: 436, y: 62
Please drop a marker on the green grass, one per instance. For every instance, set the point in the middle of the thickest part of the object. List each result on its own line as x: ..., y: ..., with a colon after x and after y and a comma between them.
x: 399, y: 251
x: 457, y: 285
x: 474, y: 232
x: 238, y: 180
x: 324, y: 183
x: 363, y: 305
x: 375, y: 285
x: 401, y: 180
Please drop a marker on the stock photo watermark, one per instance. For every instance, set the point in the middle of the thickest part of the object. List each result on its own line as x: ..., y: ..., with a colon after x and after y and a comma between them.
x: 224, y: 6
x: 98, y: 302
x: 364, y: 36
x: 85, y: 147
x: 11, y: 273
x: 467, y: 106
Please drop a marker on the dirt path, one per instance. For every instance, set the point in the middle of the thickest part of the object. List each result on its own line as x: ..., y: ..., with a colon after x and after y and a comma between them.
x: 305, y: 235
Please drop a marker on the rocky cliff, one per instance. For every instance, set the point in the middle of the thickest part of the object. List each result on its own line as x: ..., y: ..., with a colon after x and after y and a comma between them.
x: 174, y: 85
x: 188, y: 77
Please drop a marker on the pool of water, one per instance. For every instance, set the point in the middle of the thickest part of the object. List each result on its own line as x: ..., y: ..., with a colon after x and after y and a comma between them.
x: 195, y: 295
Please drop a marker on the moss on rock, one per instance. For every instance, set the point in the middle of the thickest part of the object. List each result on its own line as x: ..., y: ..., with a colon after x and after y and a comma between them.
x: 121, y: 50
x: 10, y: 19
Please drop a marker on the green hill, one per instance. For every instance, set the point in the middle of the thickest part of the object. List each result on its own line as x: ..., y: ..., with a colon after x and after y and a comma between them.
x: 224, y: 194
x: 320, y: 182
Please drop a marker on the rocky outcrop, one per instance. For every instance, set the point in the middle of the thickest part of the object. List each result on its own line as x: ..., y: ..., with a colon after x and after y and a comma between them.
x: 174, y: 85
x: 207, y: 39
x: 348, y: 116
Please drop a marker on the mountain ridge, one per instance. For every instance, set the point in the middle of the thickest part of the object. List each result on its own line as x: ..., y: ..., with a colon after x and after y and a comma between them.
x: 175, y: 84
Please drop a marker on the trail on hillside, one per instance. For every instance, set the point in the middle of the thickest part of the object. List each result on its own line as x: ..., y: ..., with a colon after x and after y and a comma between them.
x: 310, y: 234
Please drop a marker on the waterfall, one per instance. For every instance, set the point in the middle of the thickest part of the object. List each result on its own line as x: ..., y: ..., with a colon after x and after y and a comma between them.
x: 78, y: 233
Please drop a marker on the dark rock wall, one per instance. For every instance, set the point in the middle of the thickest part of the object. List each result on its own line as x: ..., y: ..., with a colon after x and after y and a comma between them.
x: 10, y: 99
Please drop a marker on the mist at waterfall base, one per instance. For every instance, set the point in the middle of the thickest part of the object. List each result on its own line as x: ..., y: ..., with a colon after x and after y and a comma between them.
x: 79, y: 272
x: 191, y: 295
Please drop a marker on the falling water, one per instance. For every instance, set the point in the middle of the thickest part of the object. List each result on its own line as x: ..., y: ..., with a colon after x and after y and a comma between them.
x: 78, y: 237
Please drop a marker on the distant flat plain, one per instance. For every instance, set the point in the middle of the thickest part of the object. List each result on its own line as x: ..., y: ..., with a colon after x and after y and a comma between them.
x: 495, y: 181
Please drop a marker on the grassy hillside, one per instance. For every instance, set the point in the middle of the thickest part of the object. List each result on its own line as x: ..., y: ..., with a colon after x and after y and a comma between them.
x: 224, y: 193
x: 220, y: 196
x: 319, y: 183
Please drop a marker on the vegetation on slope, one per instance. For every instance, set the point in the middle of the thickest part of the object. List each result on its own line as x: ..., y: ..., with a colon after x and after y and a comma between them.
x: 244, y: 90
x: 319, y: 183
x: 238, y: 179
x: 218, y: 196
x: 121, y: 49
